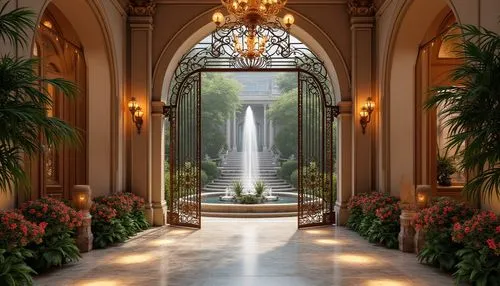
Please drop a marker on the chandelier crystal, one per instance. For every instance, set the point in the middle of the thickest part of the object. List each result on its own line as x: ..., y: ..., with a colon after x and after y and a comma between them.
x: 255, y: 20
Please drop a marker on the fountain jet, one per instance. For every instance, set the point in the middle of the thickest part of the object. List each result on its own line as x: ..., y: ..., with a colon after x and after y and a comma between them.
x: 250, y: 155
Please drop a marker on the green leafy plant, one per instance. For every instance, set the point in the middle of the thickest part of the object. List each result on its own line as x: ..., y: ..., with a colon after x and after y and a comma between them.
x: 437, y: 222
x: 249, y: 199
x: 106, y: 228
x: 13, y: 269
x: 471, y: 110
x: 386, y: 226
x: 287, y: 169
x: 480, y: 259
x: 294, y: 179
x: 259, y: 187
x: 211, y: 170
x: 445, y: 168
x: 58, y: 245
x: 24, y: 101
x: 238, y: 188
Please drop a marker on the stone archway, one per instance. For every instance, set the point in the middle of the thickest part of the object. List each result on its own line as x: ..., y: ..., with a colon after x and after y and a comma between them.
x: 397, y: 89
x: 104, y: 116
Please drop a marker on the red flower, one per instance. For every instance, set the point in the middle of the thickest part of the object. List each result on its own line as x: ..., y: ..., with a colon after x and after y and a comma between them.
x: 491, y: 243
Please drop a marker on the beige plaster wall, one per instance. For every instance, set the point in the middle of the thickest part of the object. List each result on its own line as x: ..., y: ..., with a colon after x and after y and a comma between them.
x: 100, y: 25
x: 397, y: 47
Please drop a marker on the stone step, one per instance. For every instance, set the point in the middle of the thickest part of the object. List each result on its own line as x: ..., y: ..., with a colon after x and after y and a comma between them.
x: 269, y: 180
x: 269, y: 184
x: 209, y: 188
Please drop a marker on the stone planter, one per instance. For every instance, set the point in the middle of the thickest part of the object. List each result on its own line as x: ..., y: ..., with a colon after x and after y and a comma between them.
x: 406, y: 235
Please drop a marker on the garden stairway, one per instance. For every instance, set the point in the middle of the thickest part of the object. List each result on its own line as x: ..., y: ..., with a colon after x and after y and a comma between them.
x: 232, y: 171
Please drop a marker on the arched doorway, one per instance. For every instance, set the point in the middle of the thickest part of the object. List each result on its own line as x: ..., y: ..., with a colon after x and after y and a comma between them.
x: 316, y: 107
x: 61, y: 55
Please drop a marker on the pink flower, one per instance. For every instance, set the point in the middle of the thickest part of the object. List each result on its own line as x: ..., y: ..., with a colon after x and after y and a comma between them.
x: 491, y: 244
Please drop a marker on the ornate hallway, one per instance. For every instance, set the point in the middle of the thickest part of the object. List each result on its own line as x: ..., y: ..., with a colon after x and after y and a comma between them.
x: 247, y: 252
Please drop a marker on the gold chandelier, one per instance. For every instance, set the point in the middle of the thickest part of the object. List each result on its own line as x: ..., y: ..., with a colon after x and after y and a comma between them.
x: 254, y: 16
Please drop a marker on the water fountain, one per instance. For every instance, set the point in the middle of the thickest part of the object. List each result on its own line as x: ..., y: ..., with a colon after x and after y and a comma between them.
x: 227, y: 197
x: 250, y: 153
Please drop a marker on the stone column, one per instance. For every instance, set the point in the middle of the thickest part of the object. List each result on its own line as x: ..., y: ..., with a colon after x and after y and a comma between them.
x: 141, y: 33
x: 362, y: 32
x: 271, y: 133
x: 228, y: 133
x: 158, y: 168
x: 344, y: 162
x: 406, y: 235
x: 265, y: 127
x: 234, y: 132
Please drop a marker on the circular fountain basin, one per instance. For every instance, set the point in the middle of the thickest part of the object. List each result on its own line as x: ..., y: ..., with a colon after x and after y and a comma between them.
x: 212, y: 206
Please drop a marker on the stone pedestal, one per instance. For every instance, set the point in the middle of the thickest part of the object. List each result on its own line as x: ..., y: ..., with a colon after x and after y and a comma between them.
x: 341, y: 214
x: 407, y: 234
x: 84, y: 236
x: 419, y: 241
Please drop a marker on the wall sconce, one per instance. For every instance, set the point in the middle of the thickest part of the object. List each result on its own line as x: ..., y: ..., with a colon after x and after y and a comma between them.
x: 366, y: 113
x: 137, y: 114
x: 422, y: 196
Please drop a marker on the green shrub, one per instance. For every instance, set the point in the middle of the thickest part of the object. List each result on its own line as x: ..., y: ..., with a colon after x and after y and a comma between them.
x: 249, y: 199
x: 167, y: 185
x: 238, y: 188
x: 260, y: 187
x: 13, y: 269
x: 58, y: 246
x: 287, y: 169
x: 437, y: 223
x: 385, y: 228
x: 294, y: 180
x: 106, y: 228
x: 204, y: 178
x: 211, y: 170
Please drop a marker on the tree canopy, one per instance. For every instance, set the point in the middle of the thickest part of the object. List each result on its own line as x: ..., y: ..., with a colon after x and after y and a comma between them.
x: 219, y: 100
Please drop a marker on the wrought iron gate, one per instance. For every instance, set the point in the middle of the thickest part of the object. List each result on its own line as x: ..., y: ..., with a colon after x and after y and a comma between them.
x: 185, y: 155
x: 316, y: 109
x: 315, y: 161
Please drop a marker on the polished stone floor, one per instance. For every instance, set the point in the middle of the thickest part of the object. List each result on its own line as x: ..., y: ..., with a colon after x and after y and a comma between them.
x: 247, y: 252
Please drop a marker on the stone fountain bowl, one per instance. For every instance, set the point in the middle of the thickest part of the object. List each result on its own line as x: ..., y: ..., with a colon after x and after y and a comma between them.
x: 267, y: 209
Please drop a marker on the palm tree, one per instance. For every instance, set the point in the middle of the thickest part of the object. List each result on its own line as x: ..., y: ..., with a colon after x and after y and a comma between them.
x: 472, y: 109
x: 24, y: 102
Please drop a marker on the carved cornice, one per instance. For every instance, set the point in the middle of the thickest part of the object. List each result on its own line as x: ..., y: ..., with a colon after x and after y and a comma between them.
x: 361, y: 8
x: 141, y: 8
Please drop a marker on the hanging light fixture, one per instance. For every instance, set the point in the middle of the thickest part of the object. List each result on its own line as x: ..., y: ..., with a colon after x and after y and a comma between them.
x: 254, y: 20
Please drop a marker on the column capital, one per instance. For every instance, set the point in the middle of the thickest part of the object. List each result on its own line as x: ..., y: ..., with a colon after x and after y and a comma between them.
x: 141, y: 8
x: 361, y: 8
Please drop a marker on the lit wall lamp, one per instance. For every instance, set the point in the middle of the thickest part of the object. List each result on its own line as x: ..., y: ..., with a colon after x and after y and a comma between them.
x: 137, y: 114
x: 422, y: 196
x: 366, y: 113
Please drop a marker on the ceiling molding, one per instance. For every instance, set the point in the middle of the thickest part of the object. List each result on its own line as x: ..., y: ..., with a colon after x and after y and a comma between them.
x: 217, y: 2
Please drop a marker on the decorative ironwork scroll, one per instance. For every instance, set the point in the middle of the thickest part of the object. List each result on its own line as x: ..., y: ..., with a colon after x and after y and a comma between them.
x: 316, y: 109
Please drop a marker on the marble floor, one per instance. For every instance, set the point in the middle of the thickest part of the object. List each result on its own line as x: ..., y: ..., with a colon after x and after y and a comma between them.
x: 240, y: 252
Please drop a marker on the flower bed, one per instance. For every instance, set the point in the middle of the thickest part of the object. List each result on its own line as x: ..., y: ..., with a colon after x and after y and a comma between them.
x: 437, y: 222
x: 116, y: 218
x: 58, y: 244
x: 480, y: 257
x: 375, y: 216
x: 15, y: 233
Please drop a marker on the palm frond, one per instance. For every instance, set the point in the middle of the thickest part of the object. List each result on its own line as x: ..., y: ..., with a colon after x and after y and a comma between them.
x: 472, y: 109
x: 14, y: 25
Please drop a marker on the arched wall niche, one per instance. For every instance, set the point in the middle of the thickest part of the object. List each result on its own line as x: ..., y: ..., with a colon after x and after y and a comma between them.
x: 200, y: 27
x: 56, y: 170
x: 92, y: 30
x: 409, y: 26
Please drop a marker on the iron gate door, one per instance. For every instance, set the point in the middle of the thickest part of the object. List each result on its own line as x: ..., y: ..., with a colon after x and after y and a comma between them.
x: 185, y: 155
x: 315, y: 157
